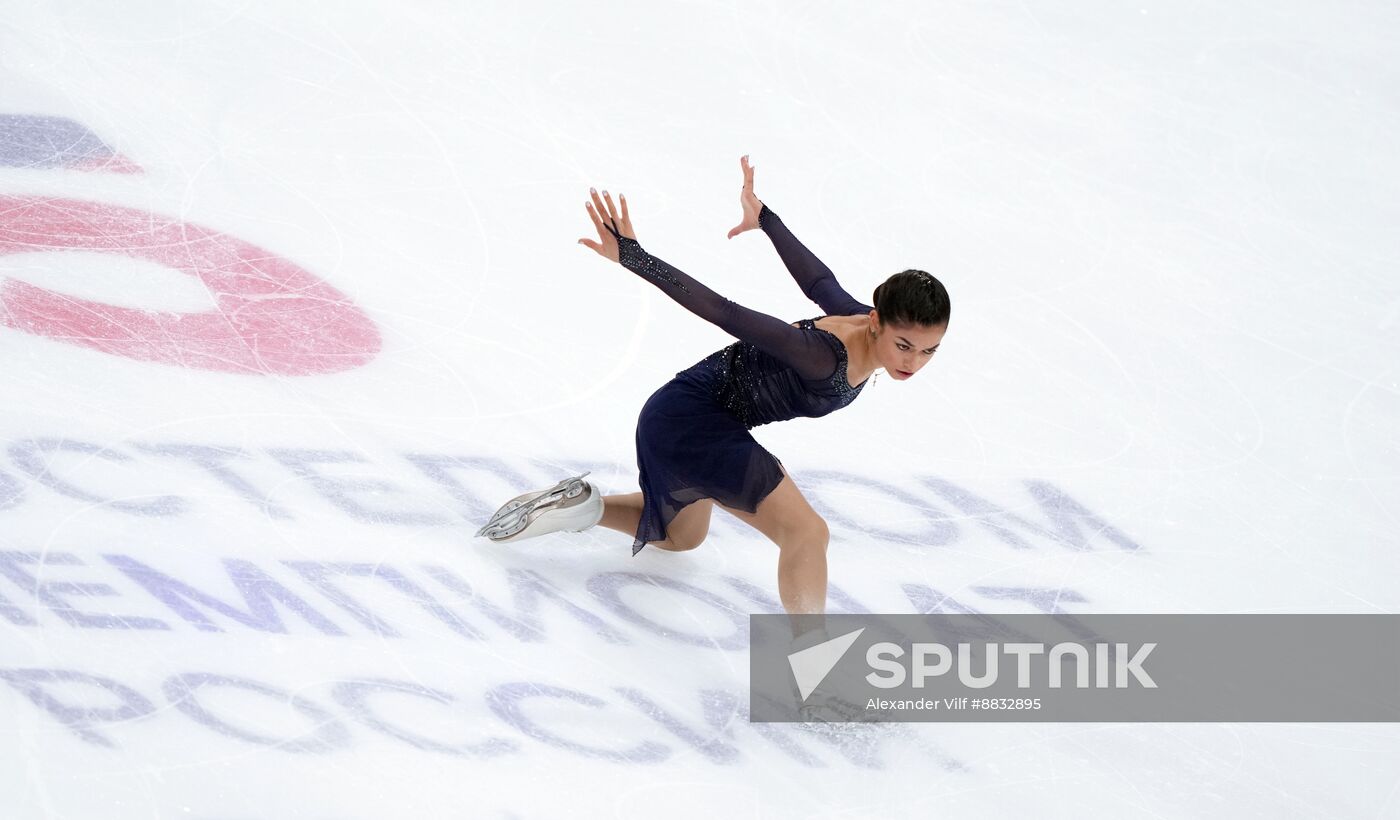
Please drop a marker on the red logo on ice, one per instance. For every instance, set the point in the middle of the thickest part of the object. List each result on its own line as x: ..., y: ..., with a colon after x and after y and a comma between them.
x: 271, y: 316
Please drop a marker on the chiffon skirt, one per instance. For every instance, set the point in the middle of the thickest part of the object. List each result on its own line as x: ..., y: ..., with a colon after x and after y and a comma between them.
x: 690, y: 447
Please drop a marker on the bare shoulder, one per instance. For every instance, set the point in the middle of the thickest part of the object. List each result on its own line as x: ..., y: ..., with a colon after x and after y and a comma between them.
x: 846, y: 328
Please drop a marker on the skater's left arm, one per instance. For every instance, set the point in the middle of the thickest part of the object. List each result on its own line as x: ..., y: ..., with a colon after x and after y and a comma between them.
x: 817, y: 281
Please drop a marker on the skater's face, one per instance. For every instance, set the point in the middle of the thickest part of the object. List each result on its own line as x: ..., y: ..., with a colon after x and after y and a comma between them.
x: 904, y: 349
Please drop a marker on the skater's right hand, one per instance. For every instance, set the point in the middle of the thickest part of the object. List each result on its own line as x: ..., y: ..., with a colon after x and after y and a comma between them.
x: 747, y: 200
x: 621, y: 223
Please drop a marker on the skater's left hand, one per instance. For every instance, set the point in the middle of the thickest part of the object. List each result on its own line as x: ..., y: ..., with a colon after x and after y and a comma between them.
x: 622, y: 223
x: 750, y: 203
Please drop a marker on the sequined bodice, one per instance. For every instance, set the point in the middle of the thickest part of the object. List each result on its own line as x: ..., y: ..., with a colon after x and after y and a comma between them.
x: 760, y: 388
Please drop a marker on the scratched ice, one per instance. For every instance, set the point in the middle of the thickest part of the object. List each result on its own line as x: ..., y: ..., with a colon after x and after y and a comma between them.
x: 290, y: 298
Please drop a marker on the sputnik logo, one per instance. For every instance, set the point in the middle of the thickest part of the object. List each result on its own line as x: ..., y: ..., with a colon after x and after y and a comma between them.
x: 810, y: 666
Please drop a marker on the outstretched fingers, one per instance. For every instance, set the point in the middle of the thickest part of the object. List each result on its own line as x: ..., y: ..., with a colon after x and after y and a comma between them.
x: 606, y: 241
x: 598, y: 211
x: 609, y: 223
x: 748, y: 174
x: 597, y: 224
x: 603, y: 206
x: 752, y: 207
x: 593, y: 214
x: 620, y: 218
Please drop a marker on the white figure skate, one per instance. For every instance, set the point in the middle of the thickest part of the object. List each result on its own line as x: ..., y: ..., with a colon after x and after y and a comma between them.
x: 572, y: 505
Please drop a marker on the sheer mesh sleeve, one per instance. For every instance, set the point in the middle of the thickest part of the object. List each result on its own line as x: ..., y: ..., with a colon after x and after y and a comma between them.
x: 812, y: 275
x: 805, y: 351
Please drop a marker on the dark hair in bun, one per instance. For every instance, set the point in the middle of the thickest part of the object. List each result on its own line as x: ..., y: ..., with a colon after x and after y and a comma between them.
x: 912, y: 297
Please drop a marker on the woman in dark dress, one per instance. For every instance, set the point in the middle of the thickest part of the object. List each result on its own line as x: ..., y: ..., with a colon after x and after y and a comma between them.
x: 694, y: 449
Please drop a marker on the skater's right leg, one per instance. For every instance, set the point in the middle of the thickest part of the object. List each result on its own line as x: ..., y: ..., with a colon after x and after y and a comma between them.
x: 685, y: 532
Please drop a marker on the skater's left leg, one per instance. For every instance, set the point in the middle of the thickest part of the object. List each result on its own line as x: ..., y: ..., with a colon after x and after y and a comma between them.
x: 571, y: 505
x: 622, y: 512
x: 802, y: 536
x: 685, y: 532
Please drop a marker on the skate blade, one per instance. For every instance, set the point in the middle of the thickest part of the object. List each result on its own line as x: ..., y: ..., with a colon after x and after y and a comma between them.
x: 527, y: 515
x: 515, y: 515
x: 522, y: 517
x: 499, y: 516
x: 511, y: 506
x: 516, y: 503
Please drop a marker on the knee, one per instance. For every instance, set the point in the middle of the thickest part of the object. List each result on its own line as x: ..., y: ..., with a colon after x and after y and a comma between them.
x: 685, y: 541
x: 675, y: 544
x: 809, y: 533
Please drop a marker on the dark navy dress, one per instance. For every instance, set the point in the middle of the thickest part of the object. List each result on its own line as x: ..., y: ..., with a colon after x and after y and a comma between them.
x: 693, y: 438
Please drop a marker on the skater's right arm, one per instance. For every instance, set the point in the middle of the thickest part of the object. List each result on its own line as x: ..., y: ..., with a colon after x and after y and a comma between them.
x: 808, y: 354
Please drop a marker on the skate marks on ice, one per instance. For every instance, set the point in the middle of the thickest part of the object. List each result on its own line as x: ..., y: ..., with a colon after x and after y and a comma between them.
x: 345, y: 605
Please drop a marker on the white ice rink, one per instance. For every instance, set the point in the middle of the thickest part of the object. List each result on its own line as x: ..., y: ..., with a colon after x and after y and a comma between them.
x: 290, y: 298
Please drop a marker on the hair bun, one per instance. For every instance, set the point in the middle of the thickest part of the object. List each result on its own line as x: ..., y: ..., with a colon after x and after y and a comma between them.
x: 912, y: 296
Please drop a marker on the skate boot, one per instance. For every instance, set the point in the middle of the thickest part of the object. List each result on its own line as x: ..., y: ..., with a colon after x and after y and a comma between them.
x: 511, y: 505
x: 572, y: 505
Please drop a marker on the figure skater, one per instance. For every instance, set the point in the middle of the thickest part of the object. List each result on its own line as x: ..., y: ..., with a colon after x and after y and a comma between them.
x: 694, y: 449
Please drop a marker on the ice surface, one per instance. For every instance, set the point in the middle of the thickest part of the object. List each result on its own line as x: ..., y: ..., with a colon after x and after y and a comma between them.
x: 290, y: 298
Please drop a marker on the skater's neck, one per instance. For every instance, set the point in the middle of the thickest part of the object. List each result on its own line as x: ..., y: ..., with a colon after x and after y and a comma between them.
x: 860, y: 354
